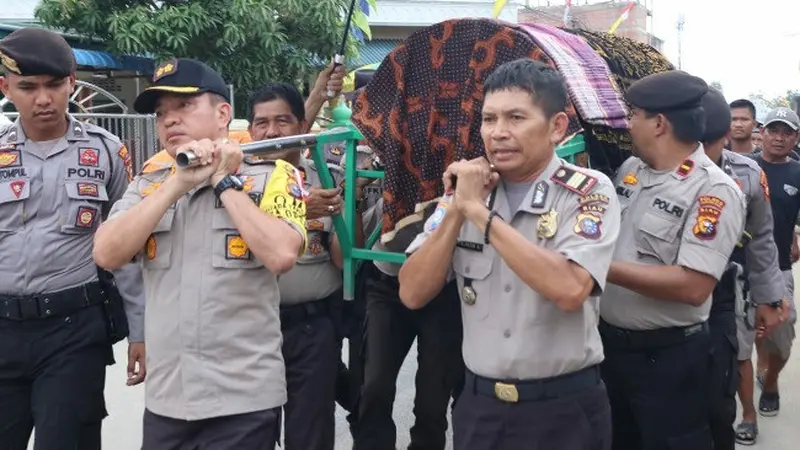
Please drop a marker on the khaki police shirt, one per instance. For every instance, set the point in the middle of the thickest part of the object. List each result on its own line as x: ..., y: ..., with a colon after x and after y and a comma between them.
x: 690, y: 217
x: 511, y: 332
x: 213, y: 328
x: 50, y: 207
x: 315, y: 276
x: 767, y: 285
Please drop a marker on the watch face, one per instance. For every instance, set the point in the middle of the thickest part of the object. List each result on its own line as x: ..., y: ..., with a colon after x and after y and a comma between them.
x: 237, y: 182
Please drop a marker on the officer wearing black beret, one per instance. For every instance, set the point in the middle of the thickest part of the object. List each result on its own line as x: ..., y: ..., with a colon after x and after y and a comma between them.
x: 681, y: 218
x: 21, y: 53
x: 736, y: 316
x: 58, y: 180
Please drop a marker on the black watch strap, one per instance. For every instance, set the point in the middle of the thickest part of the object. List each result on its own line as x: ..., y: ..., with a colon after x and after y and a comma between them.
x: 229, y: 182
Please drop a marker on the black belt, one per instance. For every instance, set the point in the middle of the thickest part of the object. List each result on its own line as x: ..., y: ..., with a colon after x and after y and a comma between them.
x: 294, y: 314
x: 719, y: 307
x: 44, y: 306
x: 533, y: 390
x: 642, y: 339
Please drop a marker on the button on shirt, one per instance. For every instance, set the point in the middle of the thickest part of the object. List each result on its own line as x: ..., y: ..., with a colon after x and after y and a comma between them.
x: 690, y: 217
x: 315, y: 276
x: 213, y: 330
x: 511, y: 332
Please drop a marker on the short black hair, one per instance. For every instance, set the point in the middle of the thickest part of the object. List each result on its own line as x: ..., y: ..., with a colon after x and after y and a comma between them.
x: 278, y: 91
x: 688, y: 125
x: 744, y: 103
x: 544, y: 83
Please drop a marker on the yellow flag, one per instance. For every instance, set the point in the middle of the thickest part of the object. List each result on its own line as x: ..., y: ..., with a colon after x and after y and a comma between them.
x: 498, y: 7
x: 622, y: 18
x: 285, y: 198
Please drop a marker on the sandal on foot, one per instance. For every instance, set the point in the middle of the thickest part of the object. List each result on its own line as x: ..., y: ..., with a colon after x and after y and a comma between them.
x: 769, y: 404
x: 746, y: 433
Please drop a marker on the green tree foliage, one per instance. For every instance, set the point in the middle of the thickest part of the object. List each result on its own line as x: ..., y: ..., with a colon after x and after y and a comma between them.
x: 249, y: 41
x: 784, y: 101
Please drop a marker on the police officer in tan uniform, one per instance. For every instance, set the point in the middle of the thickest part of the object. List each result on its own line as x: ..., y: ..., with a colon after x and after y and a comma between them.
x: 681, y: 218
x: 59, y: 315
x: 749, y: 294
x: 311, y: 292
x: 530, y: 263
x: 212, y: 245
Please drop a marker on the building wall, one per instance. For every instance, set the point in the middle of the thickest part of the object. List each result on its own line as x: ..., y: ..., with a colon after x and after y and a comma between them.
x: 597, y: 17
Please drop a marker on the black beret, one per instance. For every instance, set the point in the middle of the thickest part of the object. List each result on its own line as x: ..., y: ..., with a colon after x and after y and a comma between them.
x: 667, y: 91
x: 35, y: 51
x: 181, y: 76
x: 718, y: 115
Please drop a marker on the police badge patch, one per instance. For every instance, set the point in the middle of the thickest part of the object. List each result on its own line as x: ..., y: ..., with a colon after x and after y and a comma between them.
x: 705, y: 228
x: 85, y: 217
x: 236, y: 247
x: 10, y: 158
x: 89, y: 157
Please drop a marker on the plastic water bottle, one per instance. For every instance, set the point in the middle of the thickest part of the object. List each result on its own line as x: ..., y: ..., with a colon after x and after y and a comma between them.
x: 438, y: 215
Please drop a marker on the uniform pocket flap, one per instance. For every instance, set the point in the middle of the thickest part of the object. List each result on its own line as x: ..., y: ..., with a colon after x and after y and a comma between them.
x: 165, y: 224
x: 473, y: 265
x: 15, y: 190
x: 86, y: 190
x: 659, y: 227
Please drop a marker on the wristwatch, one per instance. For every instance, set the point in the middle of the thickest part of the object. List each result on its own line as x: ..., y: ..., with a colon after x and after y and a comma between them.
x: 229, y: 182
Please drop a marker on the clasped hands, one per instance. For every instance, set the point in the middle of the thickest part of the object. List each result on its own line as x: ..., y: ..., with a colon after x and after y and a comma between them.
x: 476, y: 180
x: 218, y: 159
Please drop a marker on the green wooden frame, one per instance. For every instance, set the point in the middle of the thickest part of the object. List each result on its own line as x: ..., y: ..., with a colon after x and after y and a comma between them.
x: 343, y: 223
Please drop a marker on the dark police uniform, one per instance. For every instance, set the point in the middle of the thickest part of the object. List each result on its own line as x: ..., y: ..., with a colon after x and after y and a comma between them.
x: 57, y: 320
x: 658, y: 352
x: 533, y: 377
x: 310, y: 292
x: 753, y: 268
x: 391, y: 329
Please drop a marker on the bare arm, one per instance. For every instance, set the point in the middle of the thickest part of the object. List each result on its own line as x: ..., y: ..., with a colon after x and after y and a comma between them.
x: 273, y: 241
x: 118, y: 240
x: 330, y: 79
x: 426, y: 271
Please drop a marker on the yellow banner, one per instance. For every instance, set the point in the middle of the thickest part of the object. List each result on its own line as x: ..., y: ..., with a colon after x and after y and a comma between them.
x: 285, y: 198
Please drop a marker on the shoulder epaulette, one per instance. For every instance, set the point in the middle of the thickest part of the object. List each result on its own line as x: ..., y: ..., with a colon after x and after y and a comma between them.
x: 90, y: 128
x: 160, y: 161
x: 574, y: 180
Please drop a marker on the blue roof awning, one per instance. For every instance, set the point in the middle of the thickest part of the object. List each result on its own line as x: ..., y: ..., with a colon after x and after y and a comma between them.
x: 104, y: 60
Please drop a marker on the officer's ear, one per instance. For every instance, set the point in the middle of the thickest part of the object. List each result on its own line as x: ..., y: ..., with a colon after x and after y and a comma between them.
x: 660, y: 124
x: 4, y: 88
x: 71, y: 84
x: 558, y: 127
x: 224, y: 111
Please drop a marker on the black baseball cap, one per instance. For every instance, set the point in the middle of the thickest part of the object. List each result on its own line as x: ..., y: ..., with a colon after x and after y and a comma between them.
x: 181, y: 76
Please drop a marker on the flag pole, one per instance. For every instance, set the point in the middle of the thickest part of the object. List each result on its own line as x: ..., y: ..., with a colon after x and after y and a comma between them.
x: 338, y: 59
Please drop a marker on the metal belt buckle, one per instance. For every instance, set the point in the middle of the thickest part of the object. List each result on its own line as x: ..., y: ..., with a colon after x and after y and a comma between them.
x: 506, y: 392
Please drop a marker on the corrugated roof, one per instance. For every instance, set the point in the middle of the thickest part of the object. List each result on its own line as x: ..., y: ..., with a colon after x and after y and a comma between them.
x: 373, y: 52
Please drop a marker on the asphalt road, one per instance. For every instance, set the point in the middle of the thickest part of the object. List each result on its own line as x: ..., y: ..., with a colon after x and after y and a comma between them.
x: 122, y: 430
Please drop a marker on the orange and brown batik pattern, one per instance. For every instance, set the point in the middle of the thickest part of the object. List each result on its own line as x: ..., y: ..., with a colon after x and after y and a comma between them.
x: 421, y: 111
